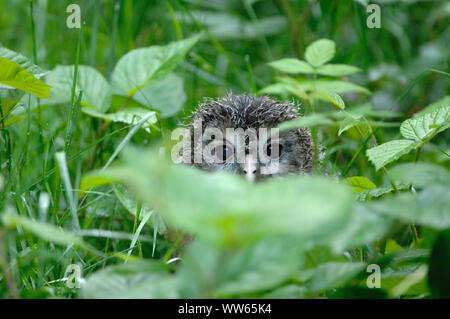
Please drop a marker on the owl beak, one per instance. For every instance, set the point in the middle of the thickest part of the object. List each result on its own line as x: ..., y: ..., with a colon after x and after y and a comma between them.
x: 250, y: 167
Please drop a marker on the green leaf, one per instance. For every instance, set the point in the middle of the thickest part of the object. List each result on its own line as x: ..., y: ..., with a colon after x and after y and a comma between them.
x: 166, y: 96
x: 13, y: 75
x: 228, y: 211
x: 383, y: 154
x: 320, y: 52
x: 292, y: 86
x: 428, y: 208
x: 208, y: 272
x: 337, y: 70
x: 348, y: 122
x: 331, y: 97
x: 334, y: 274
x: 377, y: 192
x: 141, y: 67
x: 21, y: 60
x: 97, y: 179
x: 96, y: 90
x: 360, y: 183
x: 330, y: 86
x: 128, y: 116
x: 364, y: 227
x: 420, y: 174
x: 420, y: 127
x: 417, y: 129
x: 133, y: 280
x: 292, y: 66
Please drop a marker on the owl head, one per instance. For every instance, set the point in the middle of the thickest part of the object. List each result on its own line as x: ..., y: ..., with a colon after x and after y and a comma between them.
x: 238, y: 134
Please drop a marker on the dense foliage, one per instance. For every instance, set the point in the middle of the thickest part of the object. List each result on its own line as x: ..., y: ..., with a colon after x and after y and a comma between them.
x: 86, y: 176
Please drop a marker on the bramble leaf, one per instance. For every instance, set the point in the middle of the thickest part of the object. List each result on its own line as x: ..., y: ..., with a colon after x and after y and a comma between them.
x: 320, y: 52
x: 292, y: 66
x: 385, y: 153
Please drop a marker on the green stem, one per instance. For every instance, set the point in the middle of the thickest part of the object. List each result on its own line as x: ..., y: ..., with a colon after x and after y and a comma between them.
x: 72, y: 97
x: 413, y: 230
x: 136, y: 221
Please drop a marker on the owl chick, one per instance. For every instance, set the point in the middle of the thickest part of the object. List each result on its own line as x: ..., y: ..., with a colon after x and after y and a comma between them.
x: 238, y: 135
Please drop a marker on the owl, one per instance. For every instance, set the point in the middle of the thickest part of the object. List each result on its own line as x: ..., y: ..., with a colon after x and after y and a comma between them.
x: 238, y: 134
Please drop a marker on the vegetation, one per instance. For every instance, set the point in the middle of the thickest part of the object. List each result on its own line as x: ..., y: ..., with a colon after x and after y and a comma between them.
x: 85, y: 139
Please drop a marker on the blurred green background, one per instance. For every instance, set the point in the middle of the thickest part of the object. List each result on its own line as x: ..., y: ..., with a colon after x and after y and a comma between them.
x: 413, y: 39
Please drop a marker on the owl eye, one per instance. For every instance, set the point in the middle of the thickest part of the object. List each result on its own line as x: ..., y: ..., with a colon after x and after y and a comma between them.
x: 272, y: 150
x: 222, y: 152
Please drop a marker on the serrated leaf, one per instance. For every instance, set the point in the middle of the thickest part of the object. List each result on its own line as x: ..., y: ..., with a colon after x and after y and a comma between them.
x: 377, y: 192
x: 13, y: 75
x: 420, y: 127
x: 331, y: 97
x: 383, y: 154
x: 292, y: 66
x: 141, y: 67
x: 96, y: 90
x: 337, y: 70
x: 360, y: 183
x: 320, y: 52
